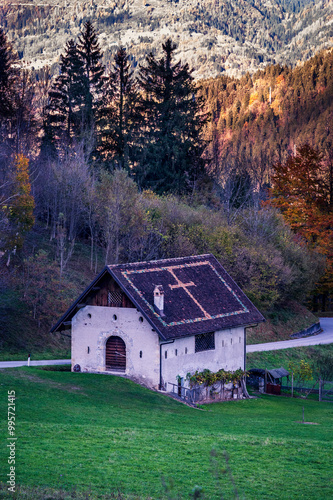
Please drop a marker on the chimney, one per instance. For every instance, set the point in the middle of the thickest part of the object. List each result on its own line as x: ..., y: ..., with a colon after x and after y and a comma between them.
x: 159, y: 299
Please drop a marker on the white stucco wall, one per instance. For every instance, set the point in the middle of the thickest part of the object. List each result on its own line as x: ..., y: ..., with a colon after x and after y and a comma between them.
x: 228, y: 354
x: 93, y: 325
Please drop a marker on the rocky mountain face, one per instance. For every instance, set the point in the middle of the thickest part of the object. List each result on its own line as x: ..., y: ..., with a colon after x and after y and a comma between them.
x: 213, y: 36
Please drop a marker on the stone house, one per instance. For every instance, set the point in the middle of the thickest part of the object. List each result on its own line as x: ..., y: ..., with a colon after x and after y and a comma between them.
x: 156, y: 321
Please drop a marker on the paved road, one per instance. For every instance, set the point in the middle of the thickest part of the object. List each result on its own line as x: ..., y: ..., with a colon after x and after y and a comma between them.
x: 14, y: 364
x: 326, y: 337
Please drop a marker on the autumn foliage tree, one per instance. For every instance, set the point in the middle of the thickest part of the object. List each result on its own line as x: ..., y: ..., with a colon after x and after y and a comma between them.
x: 20, y: 211
x: 301, y: 190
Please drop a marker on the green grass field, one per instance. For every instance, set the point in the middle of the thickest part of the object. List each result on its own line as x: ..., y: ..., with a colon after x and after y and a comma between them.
x: 282, y: 357
x: 102, y: 435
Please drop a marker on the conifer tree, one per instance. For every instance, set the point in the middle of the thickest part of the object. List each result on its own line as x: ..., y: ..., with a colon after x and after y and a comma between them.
x: 8, y: 73
x: 67, y: 107
x: 174, y: 120
x: 119, y: 117
x: 91, y: 55
x: 17, y: 122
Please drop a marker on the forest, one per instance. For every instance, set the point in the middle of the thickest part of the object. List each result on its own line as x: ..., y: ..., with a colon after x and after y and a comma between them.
x: 213, y: 36
x: 122, y: 168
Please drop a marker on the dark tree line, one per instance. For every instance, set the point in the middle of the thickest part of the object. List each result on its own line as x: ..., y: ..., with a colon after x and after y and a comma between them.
x: 150, y: 125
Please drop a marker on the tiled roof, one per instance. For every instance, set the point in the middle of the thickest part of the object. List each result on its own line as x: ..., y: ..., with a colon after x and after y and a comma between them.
x: 199, y: 295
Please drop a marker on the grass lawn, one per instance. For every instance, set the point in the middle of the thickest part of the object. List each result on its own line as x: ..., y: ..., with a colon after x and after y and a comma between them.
x: 22, y: 355
x: 102, y: 434
x: 281, y: 357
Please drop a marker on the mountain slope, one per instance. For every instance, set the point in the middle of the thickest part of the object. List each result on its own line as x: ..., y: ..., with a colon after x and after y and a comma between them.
x: 259, y: 120
x: 213, y: 36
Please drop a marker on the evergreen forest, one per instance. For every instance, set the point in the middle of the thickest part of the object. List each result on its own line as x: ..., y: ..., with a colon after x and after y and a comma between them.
x: 100, y: 165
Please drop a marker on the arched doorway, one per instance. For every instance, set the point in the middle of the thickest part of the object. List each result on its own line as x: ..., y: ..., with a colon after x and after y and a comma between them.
x: 115, y: 354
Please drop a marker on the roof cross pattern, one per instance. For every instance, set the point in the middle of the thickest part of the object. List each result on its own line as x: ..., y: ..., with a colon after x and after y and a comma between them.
x: 199, y: 295
x: 198, y: 310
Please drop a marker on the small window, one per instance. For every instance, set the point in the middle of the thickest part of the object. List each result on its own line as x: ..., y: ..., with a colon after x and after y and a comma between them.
x: 204, y: 342
x: 230, y: 341
x: 165, y: 354
x: 115, y: 317
x: 88, y: 349
x: 240, y: 340
x: 115, y: 299
x: 185, y: 350
x: 222, y: 343
x: 141, y: 319
x: 89, y: 315
x: 176, y: 352
x: 140, y: 354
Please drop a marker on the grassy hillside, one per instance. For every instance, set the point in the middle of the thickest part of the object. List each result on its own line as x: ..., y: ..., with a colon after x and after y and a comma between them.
x: 35, y: 280
x: 275, y: 359
x: 103, y: 435
x: 281, y: 323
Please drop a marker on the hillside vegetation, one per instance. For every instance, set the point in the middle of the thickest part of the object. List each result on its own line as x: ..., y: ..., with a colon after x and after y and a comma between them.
x: 105, y: 435
x: 259, y: 120
x: 256, y: 249
x: 319, y: 358
x: 214, y: 36
x: 281, y: 323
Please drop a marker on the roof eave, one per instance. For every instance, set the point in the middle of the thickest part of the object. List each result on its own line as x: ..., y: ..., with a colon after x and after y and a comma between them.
x: 71, y: 309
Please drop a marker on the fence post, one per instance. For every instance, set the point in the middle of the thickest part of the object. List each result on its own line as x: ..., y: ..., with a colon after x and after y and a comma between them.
x: 320, y: 389
x: 292, y: 384
x: 265, y: 379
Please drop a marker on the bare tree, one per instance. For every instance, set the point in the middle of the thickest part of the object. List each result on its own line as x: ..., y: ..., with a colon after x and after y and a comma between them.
x: 62, y: 188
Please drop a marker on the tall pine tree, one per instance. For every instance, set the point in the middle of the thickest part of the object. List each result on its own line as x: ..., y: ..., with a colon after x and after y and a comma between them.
x: 174, y: 120
x: 67, y: 110
x: 119, y: 117
x: 17, y: 123
x: 91, y: 55
x: 8, y: 74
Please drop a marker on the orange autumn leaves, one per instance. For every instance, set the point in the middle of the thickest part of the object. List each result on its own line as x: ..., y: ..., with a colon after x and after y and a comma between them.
x: 20, y: 211
x: 302, y: 190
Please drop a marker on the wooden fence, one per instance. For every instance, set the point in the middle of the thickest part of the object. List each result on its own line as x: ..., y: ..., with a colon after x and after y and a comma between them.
x: 324, y: 389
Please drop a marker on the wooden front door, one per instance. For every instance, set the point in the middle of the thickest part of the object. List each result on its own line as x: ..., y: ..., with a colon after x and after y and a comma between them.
x: 115, y: 354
